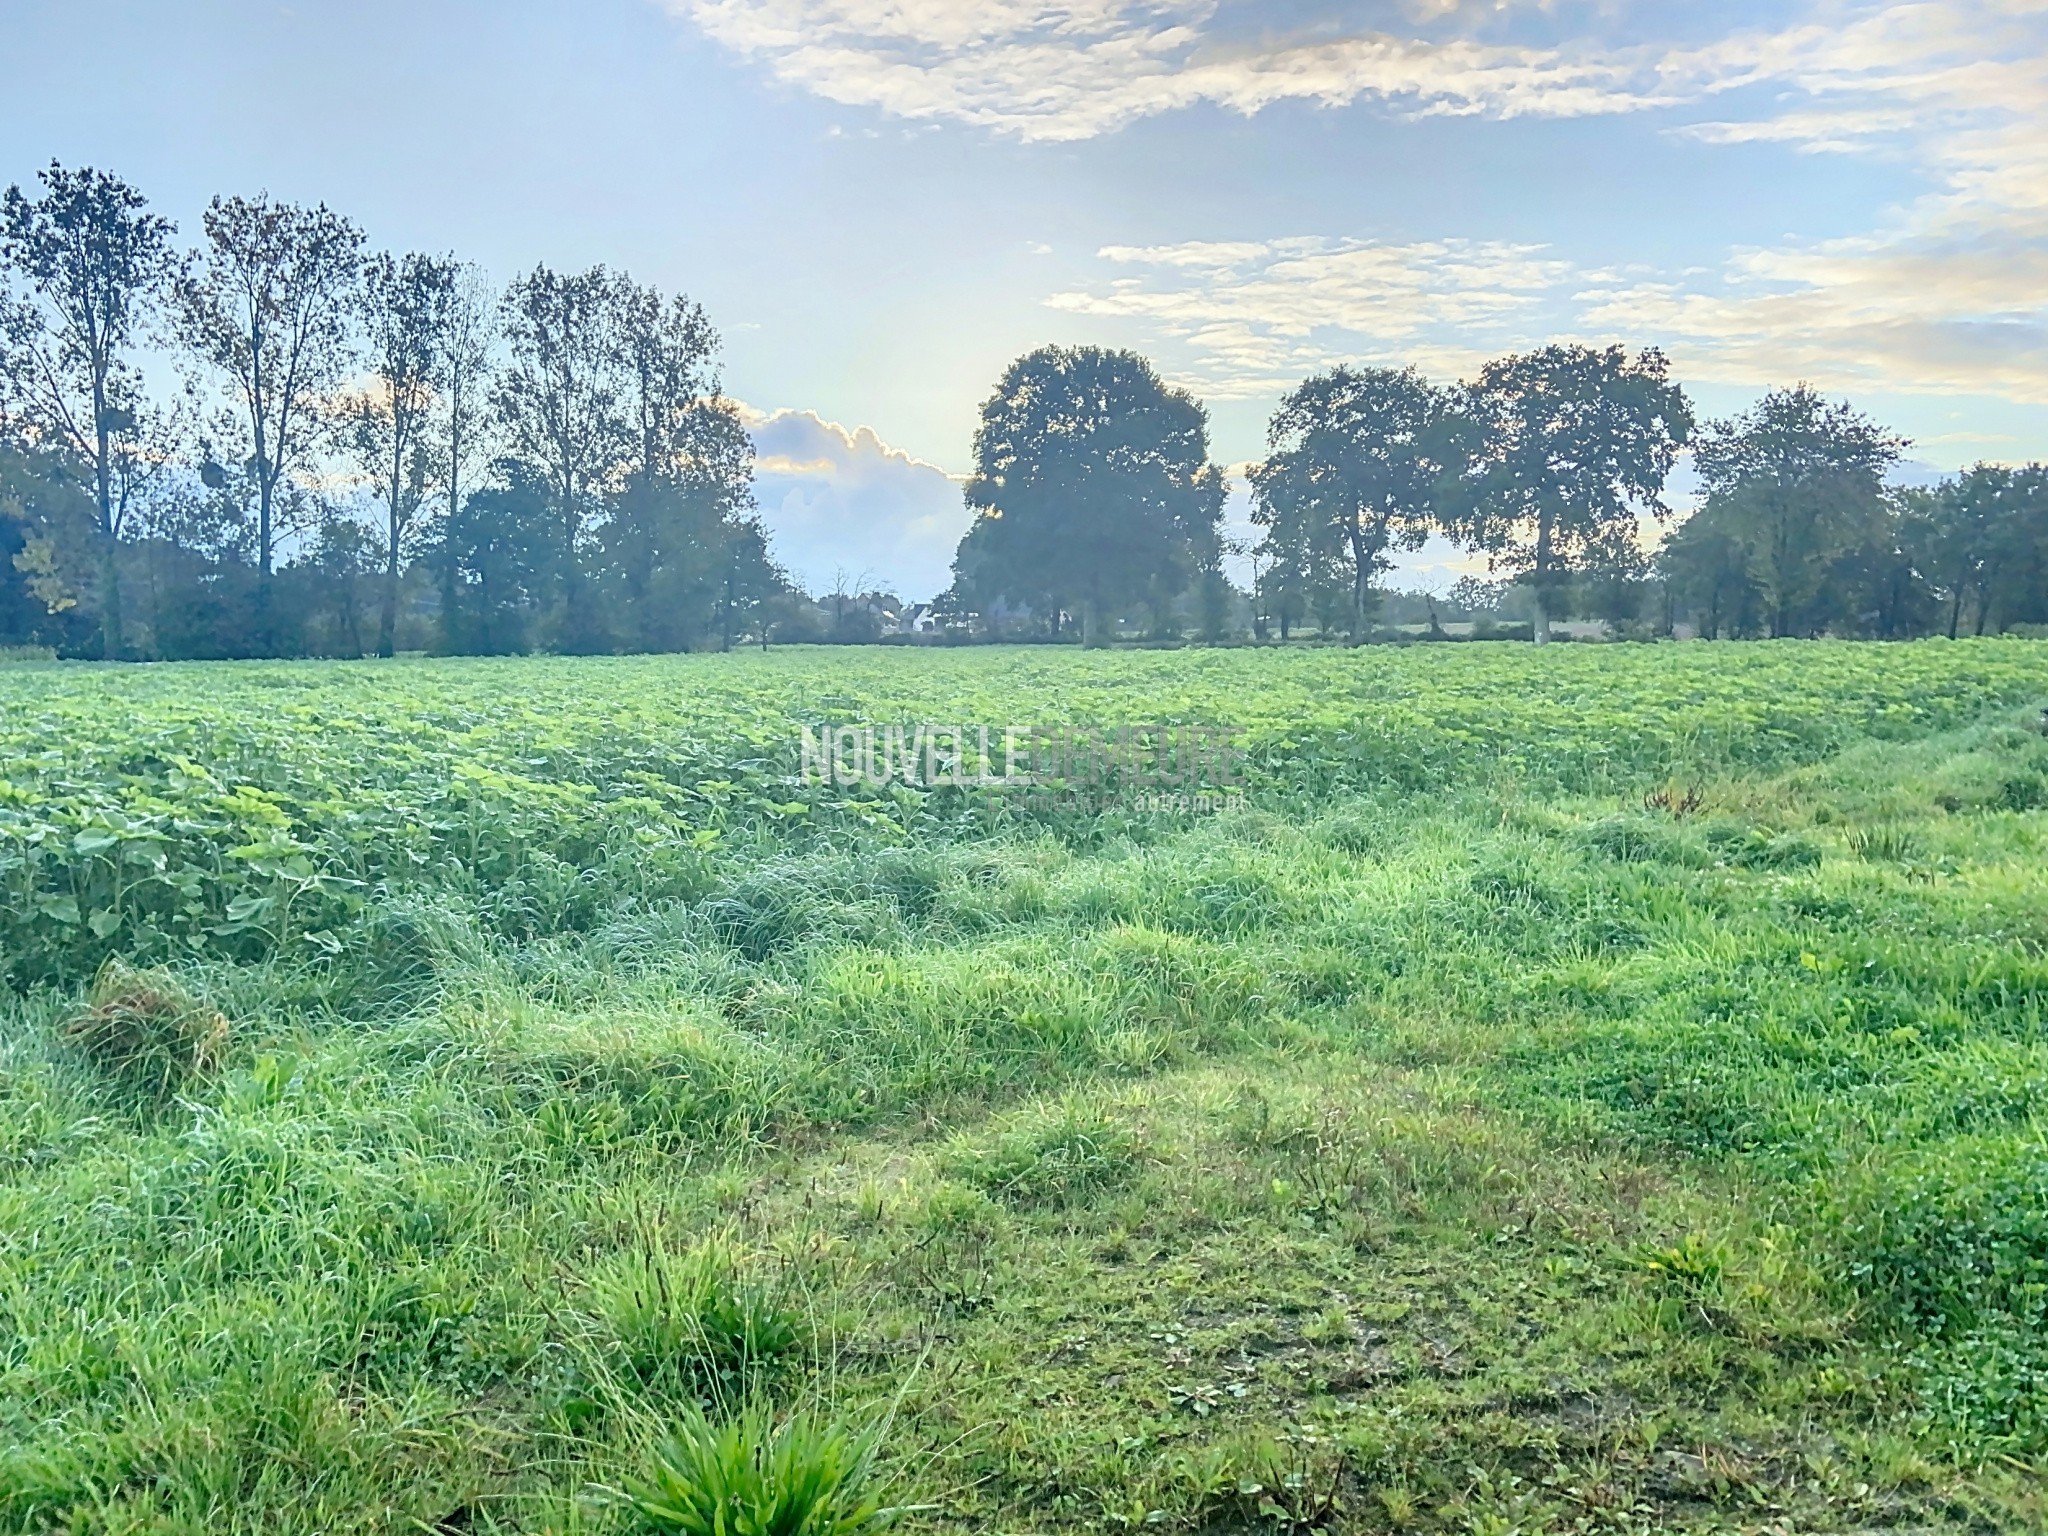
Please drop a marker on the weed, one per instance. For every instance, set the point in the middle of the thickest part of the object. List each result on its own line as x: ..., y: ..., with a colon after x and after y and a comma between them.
x: 1886, y: 843
x: 1054, y: 1159
x: 1674, y: 802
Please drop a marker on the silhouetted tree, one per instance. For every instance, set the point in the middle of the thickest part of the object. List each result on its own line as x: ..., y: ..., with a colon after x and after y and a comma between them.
x: 467, y: 341
x: 689, y: 477
x: 1708, y: 572
x: 1567, y: 447
x: 1092, y: 482
x: 562, y: 409
x: 267, y: 308
x: 1982, y: 539
x: 91, y: 265
x: 405, y: 310
x: 1358, y: 456
x: 500, y: 544
x: 1798, y: 484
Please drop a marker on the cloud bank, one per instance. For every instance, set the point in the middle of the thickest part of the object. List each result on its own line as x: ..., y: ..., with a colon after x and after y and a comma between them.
x: 839, y: 501
x: 1947, y: 295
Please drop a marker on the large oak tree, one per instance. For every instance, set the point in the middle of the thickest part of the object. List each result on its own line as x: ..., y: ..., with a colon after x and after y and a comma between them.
x: 1568, y: 448
x: 1357, y: 465
x: 1093, y: 485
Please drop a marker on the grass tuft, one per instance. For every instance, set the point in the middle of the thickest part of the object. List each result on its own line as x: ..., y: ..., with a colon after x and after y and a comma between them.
x: 698, y: 1314
x: 756, y: 1476
x: 145, y: 1031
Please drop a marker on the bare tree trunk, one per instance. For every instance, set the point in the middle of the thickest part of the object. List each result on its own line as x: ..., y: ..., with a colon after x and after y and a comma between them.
x: 1361, y: 570
x: 110, y: 600
x: 1091, y: 625
x: 110, y: 556
x: 387, y: 622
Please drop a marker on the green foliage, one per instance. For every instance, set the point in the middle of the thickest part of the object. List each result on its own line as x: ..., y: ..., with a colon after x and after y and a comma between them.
x: 271, y: 812
x: 697, y: 1312
x: 1094, y: 486
x: 1443, y: 1134
x: 755, y: 1476
x: 1360, y: 461
x: 1568, y: 445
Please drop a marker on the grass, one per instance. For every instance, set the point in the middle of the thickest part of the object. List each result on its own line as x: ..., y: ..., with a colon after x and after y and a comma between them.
x: 1656, y: 1150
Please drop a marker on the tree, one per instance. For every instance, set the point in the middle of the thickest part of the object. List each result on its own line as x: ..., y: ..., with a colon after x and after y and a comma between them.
x: 94, y: 264
x: 467, y: 341
x: 344, y: 559
x: 2019, y: 595
x: 1707, y: 570
x: 751, y: 586
x: 1307, y: 566
x: 1566, y: 447
x: 690, y: 473
x: 562, y: 409
x: 406, y: 306
x: 268, y: 307
x: 499, y: 545
x: 1361, y: 457
x: 46, y: 547
x: 1216, y: 596
x: 1092, y: 482
x: 1983, y: 540
x: 1798, y: 484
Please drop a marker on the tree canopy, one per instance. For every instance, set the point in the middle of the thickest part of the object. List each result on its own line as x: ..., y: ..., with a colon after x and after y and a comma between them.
x: 1567, y: 449
x: 375, y: 451
x: 1093, y: 485
x: 1358, y: 464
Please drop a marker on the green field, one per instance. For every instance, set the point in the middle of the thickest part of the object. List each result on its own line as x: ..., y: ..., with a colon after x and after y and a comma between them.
x: 1598, y: 1088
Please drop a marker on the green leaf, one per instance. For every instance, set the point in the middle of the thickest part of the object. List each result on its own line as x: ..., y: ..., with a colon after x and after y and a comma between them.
x: 103, y: 923
x: 63, y: 909
x: 244, y: 908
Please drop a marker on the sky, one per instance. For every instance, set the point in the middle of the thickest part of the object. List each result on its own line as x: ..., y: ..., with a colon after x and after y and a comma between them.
x: 882, y: 202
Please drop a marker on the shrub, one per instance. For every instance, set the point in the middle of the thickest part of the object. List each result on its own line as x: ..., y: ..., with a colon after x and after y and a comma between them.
x: 752, y: 1476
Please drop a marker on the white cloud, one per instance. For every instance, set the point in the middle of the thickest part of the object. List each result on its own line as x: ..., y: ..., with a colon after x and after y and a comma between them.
x: 839, y: 500
x: 1947, y: 294
x: 1257, y: 316
x: 1071, y: 69
x: 1931, y: 312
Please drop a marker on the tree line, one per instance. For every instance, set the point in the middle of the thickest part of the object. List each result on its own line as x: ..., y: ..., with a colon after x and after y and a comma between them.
x: 368, y: 452
x: 1097, y: 501
x: 364, y: 450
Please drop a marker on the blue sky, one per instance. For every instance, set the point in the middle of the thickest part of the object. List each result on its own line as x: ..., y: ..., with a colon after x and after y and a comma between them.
x: 882, y: 201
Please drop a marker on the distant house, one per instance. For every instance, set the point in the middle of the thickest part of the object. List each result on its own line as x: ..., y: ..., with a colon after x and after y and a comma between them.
x: 917, y: 619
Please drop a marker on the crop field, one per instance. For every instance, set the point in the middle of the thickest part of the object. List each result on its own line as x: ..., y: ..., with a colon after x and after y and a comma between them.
x: 1590, y: 1089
